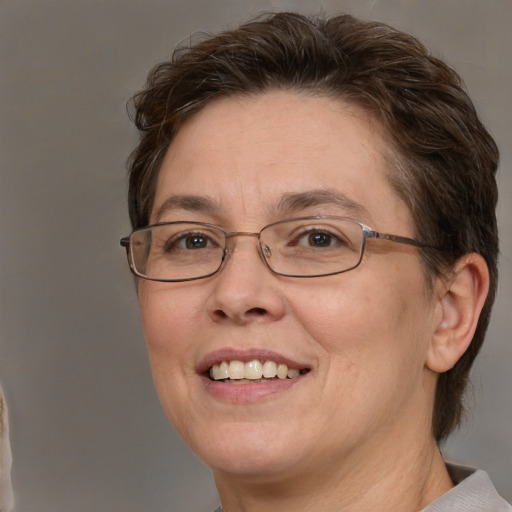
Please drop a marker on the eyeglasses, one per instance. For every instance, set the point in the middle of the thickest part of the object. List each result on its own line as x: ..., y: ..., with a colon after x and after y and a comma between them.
x: 302, y: 247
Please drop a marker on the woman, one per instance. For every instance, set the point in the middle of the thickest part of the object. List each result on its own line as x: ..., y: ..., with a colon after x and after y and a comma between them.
x: 315, y: 244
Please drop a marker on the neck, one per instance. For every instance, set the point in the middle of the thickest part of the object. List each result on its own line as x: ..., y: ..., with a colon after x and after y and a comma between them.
x: 404, y: 478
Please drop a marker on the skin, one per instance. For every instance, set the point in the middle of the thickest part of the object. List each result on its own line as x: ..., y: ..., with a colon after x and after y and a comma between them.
x: 355, y: 432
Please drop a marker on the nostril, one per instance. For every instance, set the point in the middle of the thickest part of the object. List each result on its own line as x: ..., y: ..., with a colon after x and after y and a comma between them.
x: 257, y: 311
x: 253, y: 313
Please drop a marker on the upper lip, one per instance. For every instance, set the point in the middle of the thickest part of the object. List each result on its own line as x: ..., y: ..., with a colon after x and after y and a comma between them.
x: 231, y: 354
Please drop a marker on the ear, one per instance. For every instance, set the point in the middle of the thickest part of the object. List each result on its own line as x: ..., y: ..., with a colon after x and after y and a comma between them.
x: 461, y: 299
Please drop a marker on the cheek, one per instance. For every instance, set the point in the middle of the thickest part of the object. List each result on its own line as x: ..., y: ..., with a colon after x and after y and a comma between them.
x: 366, y: 325
x: 168, y: 315
x: 373, y: 348
x: 169, y: 319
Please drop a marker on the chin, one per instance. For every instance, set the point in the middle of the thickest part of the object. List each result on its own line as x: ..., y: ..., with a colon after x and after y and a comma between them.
x: 248, y: 450
x: 256, y: 467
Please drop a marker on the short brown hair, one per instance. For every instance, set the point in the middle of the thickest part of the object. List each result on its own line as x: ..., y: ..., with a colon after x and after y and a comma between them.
x: 445, y: 160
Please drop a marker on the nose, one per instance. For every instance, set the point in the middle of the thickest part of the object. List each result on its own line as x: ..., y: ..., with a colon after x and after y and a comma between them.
x: 245, y: 290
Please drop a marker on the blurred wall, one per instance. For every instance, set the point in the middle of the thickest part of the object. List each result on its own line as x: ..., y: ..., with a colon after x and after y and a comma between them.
x: 86, y: 427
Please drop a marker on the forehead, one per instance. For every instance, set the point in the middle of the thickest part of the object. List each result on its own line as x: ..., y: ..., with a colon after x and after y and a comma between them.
x: 245, y: 154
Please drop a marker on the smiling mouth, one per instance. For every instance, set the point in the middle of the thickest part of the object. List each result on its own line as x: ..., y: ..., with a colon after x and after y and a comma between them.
x: 238, y: 372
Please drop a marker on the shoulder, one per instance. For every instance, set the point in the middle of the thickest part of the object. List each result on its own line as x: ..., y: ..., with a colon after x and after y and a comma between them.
x: 473, y: 492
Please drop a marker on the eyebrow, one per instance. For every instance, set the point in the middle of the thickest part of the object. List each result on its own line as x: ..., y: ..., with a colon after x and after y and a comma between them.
x: 187, y: 202
x: 290, y: 203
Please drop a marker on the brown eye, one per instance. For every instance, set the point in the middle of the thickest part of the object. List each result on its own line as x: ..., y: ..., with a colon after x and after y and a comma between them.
x: 189, y: 242
x: 319, y: 239
x: 196, y: 242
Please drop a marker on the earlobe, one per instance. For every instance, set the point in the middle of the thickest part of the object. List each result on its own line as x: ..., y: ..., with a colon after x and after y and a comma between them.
x: 460, y: 302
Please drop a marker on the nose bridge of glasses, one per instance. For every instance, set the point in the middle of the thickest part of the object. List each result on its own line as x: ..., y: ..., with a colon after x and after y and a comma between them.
x: 263, y: 247
x: 234, y: 234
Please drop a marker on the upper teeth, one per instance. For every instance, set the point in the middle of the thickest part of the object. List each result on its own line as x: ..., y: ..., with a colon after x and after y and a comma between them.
x: 253, y: 370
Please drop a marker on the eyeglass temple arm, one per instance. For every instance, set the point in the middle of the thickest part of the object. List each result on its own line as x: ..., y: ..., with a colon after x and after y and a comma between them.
x: 125, y: 242
x: 394, y: 238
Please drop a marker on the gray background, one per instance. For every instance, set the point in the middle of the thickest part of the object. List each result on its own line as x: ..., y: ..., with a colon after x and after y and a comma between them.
x: 87, y: 429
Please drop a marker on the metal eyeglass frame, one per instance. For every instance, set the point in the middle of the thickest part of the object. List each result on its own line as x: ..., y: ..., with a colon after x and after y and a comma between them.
x: 368, y: 233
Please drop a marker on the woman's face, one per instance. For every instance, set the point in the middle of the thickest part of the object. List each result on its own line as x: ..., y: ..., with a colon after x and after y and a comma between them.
x: 359, y: 338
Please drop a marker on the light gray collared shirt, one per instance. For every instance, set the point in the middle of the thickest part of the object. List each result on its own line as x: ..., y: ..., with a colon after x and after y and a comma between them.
x: 473, y: 492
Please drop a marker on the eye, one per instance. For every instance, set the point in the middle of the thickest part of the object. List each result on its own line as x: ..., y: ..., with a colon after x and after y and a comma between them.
x: 189, y: 241
x: 196, y: 242
x: 318, y: 238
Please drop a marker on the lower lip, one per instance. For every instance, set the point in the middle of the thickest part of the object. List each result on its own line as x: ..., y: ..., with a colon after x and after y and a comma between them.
x: 245, y: 393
